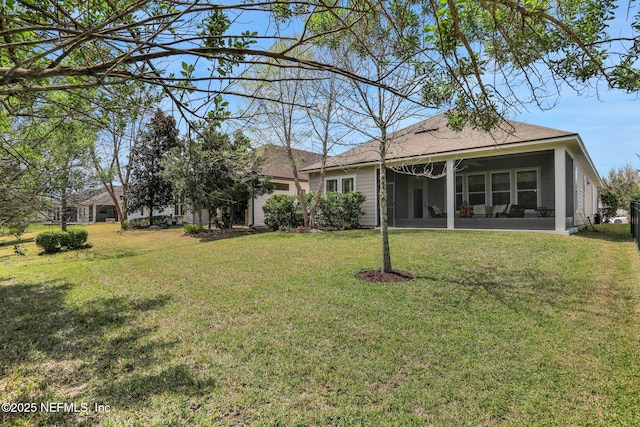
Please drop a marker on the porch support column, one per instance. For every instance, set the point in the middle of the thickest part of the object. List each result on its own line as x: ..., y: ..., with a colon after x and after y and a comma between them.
x: 451, y: 195
x: 95, y: 213
x: 560, y: 178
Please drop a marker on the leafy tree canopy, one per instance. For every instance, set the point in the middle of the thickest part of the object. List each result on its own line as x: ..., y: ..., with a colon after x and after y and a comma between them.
x: 148, y: 188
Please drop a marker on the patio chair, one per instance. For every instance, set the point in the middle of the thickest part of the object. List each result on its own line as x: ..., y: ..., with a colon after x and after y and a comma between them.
x: 434, y: 212
x: 482, y: 210
x: 515, y: 211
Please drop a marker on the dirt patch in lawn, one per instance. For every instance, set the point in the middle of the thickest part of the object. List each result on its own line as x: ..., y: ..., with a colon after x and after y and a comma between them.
x: 379, y: 276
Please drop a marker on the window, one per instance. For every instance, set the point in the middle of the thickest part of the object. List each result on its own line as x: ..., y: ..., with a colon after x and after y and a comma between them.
x: 476, y: 189
x: 281, y: 186
x: 348, y: 185
x: 345, y: 184
x: 527, y: 188
x: 459, y: 194
x: 501, y: 188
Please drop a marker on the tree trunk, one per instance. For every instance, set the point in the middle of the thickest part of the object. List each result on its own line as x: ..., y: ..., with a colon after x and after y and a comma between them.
x: 296, y: 181
x: 384, y: 230
x: 323, y: 172
x: 63, y: 212
x: 150, y: 215
x: 121, y: 211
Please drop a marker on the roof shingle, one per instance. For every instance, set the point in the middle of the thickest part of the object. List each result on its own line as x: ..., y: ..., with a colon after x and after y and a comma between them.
x: 432, y: 137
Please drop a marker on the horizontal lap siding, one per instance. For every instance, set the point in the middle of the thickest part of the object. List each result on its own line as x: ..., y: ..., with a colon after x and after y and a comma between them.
x: 585, y: 204
x: 365, y: 184
x: 259, y: 201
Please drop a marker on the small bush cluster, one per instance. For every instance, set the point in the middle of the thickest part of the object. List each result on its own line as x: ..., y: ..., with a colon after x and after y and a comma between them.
x: 340, y: 210
x: 335, y: 211
x: 192, y: 229
x: 54, y: 241
x: 157, y: 220
x: 282, y: 211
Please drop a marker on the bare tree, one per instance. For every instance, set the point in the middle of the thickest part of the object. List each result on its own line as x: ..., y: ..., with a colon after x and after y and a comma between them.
x: 283, y: 122
x: 121, y: 127
x: 371, y: 48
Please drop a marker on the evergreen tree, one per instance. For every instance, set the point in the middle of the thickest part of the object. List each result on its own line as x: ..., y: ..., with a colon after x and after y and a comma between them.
x: 148, y: 187
x: 215, y: 169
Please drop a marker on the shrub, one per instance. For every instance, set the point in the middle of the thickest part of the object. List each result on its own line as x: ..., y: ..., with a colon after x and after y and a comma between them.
x: 282, y: 211
x: 50, y: 241
x: 76, y: 238
x: 54, y: 241
x: 340, y: 210
x: 191, y: 228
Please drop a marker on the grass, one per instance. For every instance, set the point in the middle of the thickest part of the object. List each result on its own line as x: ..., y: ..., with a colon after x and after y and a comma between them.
x: 505, y: 329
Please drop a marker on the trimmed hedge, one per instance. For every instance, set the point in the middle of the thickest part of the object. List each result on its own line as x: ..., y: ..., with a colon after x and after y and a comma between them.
x: 54, y: 241
x: 282, y: 211
x: 192, y: 229
x: 340, y: 210
x: 335, y: 211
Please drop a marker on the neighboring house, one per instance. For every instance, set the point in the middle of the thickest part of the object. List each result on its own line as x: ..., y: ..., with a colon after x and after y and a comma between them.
x: 278, y: 167
x: 53, y: 213
x: 99, y: 207
x: 534, y: 177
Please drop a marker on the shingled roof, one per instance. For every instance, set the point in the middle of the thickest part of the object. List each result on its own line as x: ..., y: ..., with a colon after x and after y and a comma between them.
x: 432, y: 137
x: 103, y: 198
x: 277, y: 164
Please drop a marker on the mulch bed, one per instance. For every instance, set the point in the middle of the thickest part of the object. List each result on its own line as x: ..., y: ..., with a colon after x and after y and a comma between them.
x: 378, y: 276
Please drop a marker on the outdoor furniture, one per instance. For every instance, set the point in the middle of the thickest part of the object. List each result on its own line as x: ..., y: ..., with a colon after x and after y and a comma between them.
x: 435, y: 212
x: 515, y: 211
x: 500, y: 210
x: 482, y: 210
x: 543, y: 211
x: 465, y: 212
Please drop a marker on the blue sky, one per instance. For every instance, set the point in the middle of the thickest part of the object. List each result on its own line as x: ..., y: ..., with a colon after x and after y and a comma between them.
x: 608, y: 122
x: 609, y: 125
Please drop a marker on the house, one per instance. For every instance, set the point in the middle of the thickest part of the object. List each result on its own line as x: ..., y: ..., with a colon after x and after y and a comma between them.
x: 278, y: 167
x: 99, y: 207
x: 520, y: 176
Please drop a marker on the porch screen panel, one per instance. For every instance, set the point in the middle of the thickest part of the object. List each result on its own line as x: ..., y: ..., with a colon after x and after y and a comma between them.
x: 476, y: 189
x: 501, y: 188
x: 459, y: 194
x: 527, y: 184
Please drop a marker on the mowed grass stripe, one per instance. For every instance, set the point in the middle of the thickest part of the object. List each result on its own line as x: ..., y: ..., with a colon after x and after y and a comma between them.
x: 268, y: 329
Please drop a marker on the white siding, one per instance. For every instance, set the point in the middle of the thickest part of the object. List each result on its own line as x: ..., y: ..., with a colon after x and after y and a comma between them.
x: 585, y: 198
x: 138, y: 214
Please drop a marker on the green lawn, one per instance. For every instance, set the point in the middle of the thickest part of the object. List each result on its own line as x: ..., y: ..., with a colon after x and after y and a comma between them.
x: 513, y: 329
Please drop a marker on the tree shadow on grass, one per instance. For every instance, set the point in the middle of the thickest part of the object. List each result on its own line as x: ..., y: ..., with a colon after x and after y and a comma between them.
x: 16, y: 242
x: 608, y: 232
x: 98, y: 351
x: 523, y: 290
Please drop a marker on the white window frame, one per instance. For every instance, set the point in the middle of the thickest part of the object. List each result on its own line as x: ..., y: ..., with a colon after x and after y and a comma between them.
x: 538, y: 184
x: 339, y: 180
x: 513, y: 176
x: 466, y: 181
x: 511, y: 184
